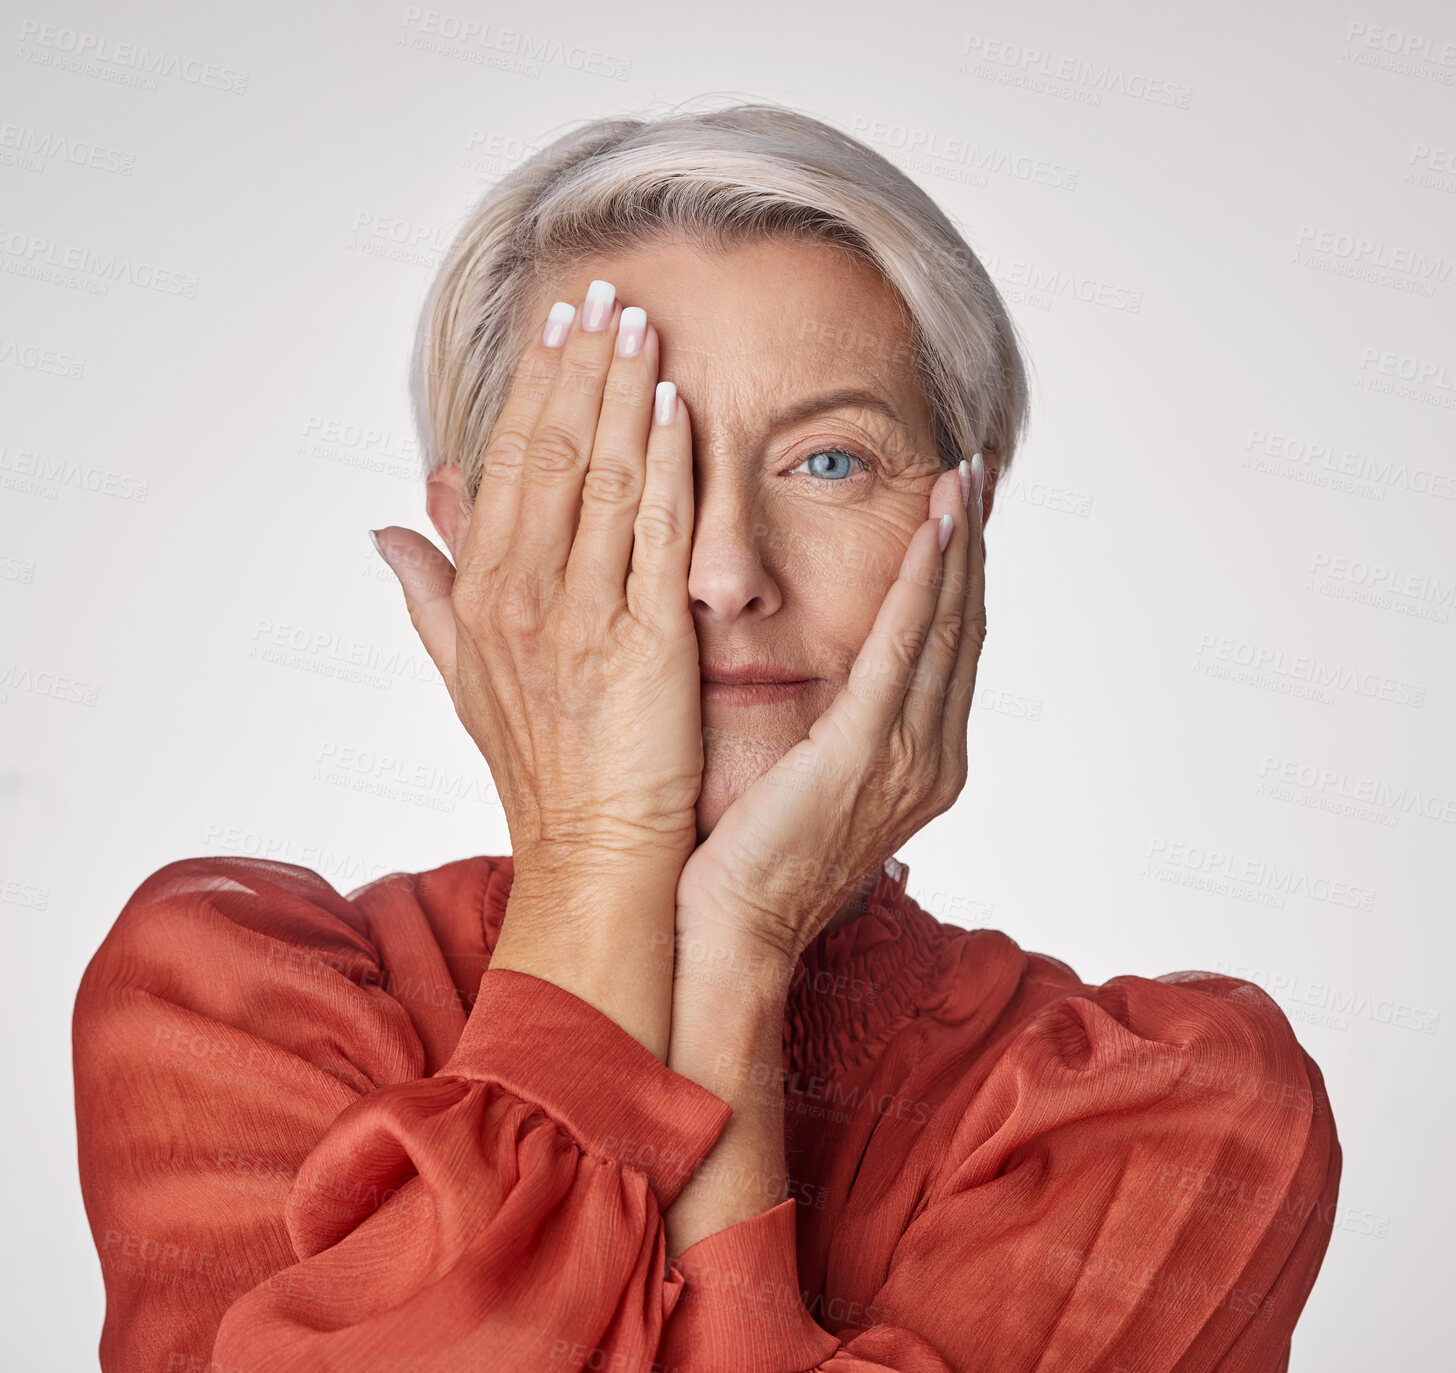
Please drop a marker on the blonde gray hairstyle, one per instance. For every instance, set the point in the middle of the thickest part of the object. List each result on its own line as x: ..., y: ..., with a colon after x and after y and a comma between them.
x: 715, y: 177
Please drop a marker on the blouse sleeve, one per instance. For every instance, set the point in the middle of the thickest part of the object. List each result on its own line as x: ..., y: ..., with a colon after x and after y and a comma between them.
x: 274, y: 1182
x: 1145, y: 1182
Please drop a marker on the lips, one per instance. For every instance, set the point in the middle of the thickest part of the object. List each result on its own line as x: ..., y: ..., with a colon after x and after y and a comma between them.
x: 752, y: 674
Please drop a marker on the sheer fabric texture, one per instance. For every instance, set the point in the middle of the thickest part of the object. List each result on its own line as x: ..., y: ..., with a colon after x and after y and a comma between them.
x: 320, y: 1133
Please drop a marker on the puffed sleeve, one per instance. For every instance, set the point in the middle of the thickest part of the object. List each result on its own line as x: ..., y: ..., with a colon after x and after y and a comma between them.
x: 274, y: 1180
x: 1144, y: 1182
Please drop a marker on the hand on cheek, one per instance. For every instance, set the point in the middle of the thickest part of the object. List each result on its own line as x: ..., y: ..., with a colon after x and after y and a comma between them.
x: 887, y: 756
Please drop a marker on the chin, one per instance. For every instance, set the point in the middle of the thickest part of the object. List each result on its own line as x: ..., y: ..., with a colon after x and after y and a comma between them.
x: 734, y: 759
x: 723, y: 783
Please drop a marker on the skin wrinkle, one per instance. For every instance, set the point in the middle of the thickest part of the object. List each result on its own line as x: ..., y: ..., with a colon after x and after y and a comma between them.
x: 786, y: 566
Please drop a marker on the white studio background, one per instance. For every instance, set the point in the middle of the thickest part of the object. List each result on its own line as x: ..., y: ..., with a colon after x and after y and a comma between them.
x: 1214, y: 722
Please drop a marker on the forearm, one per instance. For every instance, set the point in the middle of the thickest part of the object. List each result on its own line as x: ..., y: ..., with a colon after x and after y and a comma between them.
x: 727, y: 1036
x: 598, y: 926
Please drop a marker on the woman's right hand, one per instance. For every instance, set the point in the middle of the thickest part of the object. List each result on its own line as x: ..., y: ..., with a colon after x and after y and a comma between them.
x: 565, y: 635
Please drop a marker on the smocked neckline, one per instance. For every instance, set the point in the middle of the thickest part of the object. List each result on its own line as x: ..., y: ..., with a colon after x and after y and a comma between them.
x: 857, y: 985
x: 854, y: 986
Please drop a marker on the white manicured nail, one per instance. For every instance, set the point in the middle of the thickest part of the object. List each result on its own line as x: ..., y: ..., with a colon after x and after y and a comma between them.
x: 947, y: 525
x: 666, y: 408
x: 631, y: 331
x: 558, y: 324
x: 596, y: 309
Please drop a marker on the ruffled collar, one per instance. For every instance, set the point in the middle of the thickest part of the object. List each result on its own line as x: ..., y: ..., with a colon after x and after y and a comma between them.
x: 856, y: 985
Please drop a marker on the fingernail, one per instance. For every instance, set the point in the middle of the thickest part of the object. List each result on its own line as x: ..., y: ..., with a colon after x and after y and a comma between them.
x: 965, y: 473
x: 558, y: 324
x: 596, y: 309
x: 666, y: 408
x: 631, y: 331
x: 374, y: 539
x: 947, y: 524
x: 978, y: 475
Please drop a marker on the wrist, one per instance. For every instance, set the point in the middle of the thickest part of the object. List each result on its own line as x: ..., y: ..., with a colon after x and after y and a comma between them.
x: 564, y: 872
x: 587, y: 909
x: 599, y: 926
x: 714, y: 954
x: 593, y: 845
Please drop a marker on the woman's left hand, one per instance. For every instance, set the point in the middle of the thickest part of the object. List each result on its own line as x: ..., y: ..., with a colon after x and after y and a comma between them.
x: 886, y: 757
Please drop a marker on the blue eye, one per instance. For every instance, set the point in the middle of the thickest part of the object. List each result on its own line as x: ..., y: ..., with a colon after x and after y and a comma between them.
x: 840, y: 475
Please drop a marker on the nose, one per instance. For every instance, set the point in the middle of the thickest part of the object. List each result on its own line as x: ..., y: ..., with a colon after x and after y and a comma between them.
x: 728, y: 577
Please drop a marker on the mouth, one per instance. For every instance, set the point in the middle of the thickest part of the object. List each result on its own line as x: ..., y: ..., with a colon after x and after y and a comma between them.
x: 752, y: 674
x: 754, y: 684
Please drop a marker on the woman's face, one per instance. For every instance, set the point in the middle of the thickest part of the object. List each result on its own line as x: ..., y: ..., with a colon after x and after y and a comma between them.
x: 813, y: 462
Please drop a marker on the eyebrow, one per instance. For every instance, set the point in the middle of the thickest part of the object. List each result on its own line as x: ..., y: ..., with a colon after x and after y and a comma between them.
x: 842, y: 399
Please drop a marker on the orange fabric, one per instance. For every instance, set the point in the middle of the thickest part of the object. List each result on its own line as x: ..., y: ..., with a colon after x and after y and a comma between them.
x: 317, y: 1133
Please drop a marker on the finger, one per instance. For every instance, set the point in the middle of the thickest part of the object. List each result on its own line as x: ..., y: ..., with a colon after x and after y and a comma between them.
x: 493, y: 514
x: 601, y: 554
x: 927, y: 699
x: 560, y: 450
x: 961, y: 686
x: 662, y: 533
x: 882, y: 672
x: 426, y: 577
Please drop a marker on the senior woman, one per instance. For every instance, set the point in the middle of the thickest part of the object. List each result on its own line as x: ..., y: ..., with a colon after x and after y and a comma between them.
x: 715, y: 406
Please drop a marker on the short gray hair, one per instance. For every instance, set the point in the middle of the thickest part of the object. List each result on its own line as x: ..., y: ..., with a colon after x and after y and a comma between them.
x: 718, y: 176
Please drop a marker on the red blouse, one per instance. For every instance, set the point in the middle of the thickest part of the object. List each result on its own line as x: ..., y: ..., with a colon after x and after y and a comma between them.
x: 317, y: 1133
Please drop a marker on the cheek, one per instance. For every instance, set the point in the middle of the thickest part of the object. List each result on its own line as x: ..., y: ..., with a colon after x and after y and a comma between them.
x: 845, y: 563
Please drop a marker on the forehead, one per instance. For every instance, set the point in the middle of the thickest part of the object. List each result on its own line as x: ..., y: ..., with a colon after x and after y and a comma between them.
x: 749, y: 329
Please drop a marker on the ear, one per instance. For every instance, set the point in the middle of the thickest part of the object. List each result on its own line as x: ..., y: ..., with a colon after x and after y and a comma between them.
x: 449, y: 506
x: 988, y: 495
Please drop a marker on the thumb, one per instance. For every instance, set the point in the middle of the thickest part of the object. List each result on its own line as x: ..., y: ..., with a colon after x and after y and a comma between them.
x: 426, y: 576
